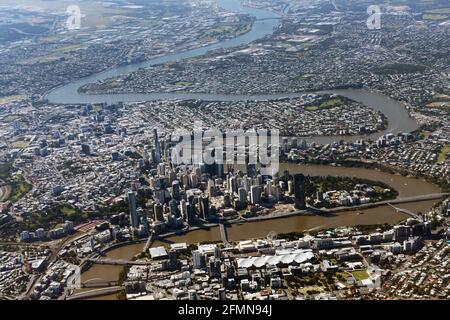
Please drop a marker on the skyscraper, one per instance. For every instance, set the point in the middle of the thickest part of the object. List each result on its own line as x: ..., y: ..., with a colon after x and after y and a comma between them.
x: 157, y: 146
x: 184, y: 209
x: 204, y: 206
x: 133, y: 213
x: 299, y: 191
x: 255, y: 194
x: 242, y: 196
x: 176, y: 190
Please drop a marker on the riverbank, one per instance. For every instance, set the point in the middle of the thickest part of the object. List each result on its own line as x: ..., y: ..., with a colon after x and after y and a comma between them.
x: 291, y: 222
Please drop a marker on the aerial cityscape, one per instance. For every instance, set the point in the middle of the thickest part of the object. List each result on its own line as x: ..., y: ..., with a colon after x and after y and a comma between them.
x: 224, y: 150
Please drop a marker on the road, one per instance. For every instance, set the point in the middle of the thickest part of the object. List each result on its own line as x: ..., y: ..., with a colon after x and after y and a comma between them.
x: 95, y: 293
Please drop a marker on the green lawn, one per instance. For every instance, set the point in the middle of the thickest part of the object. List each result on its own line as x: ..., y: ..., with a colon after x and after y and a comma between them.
x: 335, y: 102
x: 360, y: 275
x: 68, y: 211
x: 19, y: 188
x: 8, y: 99
x: 443, y: 154
x: 434, y: 17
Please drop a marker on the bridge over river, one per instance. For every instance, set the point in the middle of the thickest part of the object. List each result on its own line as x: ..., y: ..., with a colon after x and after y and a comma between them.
x: 95, y: 293
x: 117, y: 262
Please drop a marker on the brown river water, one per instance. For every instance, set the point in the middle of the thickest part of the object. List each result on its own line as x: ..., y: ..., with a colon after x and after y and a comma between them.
x: 406, y: 186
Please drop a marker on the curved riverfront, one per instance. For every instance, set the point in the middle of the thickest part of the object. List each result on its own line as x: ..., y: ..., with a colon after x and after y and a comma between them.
x: 406, y: 186
x: 398, y: 121
x: 266, y: 21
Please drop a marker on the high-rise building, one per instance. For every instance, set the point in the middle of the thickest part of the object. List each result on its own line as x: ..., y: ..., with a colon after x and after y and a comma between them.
x: 255, y: 194
x: 299, y: 191
x: 222, y: 294
x: 133, y: 213
x: 211, y: 188
x: 157, y: 146
x: 158, y: 212
x: 220, y: 170
x: 204, y: 206
x: 291, y: 187
x: 242, y: 196
x: 184, y: 209
x: 198, y: 259
x: 192, y: 294
x: 233, y: 185
x: 176, y: 190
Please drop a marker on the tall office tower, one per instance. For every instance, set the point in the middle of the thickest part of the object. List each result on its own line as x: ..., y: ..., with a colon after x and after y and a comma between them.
x: 133, y: 213
x: 204, y: 206
x: 198, y: 172
x: 194, y: 180
x: 173, y: 206
x: 161, y: 169
x: 255, y: 194
x: 190, y: 213
x: 269, y: 188
x: 291, y: 187
x: 158, y: 212
x: 157, y: 146
x: 192, y: 294
x: 172, y: 176
x: 277, y: 193
x: 198, y: 259
x: 222, y: 294
x: 184, y: 209
x: 185, y: 181
x: 251, y: 170
x: 160, y: 196
x: 232, y: 184
x: 259, y: 179
x: 217, y: 253
x: 285, y: 176
x: 176, y: 190
x: 211, y: 188
x: 220, y: 170
x: 226, y: 200
x: 242, y: 196
x: 299, y: 191
x: 246, y: 183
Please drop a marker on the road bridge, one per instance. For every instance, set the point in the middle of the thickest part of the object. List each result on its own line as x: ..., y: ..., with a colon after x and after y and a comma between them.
x: 149, y: 242
x: 98, y: 283
x: 95, y: 293
x: 224, y: 234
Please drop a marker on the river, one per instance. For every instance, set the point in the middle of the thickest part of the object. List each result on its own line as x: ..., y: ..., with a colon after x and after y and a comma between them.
x: 406, y: 186
x: 397, y: 115
x: 399, y: 121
